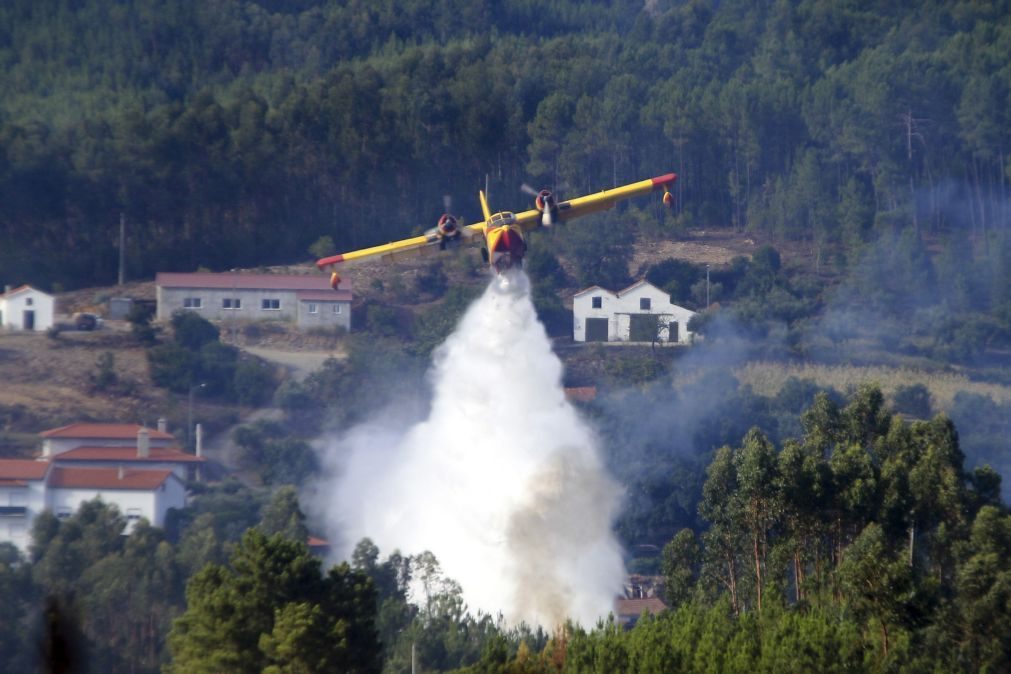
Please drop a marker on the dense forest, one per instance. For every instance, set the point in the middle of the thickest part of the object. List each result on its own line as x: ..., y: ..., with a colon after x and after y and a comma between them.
x: 814, y: 529
x: 237, y: 133
x: 862, y: 544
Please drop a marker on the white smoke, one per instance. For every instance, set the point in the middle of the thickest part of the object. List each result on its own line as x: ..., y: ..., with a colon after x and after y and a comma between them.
x: 502, y: 481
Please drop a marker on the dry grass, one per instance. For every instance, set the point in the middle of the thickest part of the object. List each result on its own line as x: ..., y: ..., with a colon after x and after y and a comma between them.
x: 767, y: 379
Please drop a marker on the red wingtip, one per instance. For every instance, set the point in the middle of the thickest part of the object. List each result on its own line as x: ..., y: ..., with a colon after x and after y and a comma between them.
x: 666, y: 179
x: 333, y: 259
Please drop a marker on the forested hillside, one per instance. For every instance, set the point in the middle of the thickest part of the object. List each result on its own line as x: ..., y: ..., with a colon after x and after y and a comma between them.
x: 237, y: 133
x: 863, y: 146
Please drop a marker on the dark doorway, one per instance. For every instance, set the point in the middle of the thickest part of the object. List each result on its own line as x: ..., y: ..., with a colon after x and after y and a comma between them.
x: 673, y: 332
x: 596, y: 329
x: 643, y: 328
x: 29, y: 323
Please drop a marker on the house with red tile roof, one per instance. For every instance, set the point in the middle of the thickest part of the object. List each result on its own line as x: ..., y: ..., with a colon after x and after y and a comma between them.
x: 307, y: 300
x: 628, y: 611
x: 26, y: 308
x: 140, y: 470
x: 138, y: 493
x: 59, y: 440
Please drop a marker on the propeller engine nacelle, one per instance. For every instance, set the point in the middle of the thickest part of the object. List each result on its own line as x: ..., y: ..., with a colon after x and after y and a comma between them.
x: 448, y: 230
x: 545, y: 203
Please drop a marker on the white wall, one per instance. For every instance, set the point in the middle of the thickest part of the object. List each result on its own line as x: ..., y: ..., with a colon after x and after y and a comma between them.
x: 582, y: 308
x: 151, y: 505
x: 14, y: 308
x: 618, y: 308
x: 17, y: 530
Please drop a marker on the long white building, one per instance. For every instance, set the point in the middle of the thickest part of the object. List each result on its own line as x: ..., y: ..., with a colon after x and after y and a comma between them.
x: 307, y: 300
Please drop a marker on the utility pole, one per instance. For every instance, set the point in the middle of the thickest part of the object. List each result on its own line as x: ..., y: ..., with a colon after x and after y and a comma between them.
x: 122, y: 247
x: 707, y: 286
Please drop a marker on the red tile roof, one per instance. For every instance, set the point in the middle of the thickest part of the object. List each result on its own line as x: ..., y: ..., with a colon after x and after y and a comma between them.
x: 121, y: 454
x: 16, y: 472
x: 228, y: 280
x: 109, y: 478
x: 15, y: 291
x: 581, y: 394
x: 104, y: 432
x: 635, y: 607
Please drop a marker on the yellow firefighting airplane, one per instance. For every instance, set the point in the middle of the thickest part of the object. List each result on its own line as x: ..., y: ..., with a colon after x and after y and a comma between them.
x: 500, y: 233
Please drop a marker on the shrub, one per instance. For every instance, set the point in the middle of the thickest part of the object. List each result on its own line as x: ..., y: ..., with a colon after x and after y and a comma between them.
x: 172, y: 367
x: 193, y: 331
x: 254, y: 382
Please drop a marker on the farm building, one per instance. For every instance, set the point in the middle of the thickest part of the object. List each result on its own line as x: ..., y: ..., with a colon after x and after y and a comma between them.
x: 26, y: 308
x: 305, y: 300
x: 639, y: 313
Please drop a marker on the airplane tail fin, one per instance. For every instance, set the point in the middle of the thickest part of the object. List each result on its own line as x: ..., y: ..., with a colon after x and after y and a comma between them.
x: 484, y: 206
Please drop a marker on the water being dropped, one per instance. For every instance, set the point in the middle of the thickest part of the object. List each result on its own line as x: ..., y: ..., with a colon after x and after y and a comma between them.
x: 502, y: 481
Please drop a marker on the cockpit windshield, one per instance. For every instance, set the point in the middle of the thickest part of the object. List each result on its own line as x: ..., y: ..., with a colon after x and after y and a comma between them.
x: 502, y: 219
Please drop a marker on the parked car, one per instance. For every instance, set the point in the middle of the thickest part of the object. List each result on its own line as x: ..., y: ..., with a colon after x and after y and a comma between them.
x: 85, y: 321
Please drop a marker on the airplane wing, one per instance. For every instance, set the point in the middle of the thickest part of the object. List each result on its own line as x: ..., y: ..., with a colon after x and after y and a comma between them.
x: 428, y: 243
x: 601, y: 201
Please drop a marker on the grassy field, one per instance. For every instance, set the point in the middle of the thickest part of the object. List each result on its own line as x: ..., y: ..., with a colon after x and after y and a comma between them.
x: 767, y: 378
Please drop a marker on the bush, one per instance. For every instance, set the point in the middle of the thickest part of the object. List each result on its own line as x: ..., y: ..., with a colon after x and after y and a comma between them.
x: 193, y: 331
x: 105, y: 373
x: 254, y: 382
x: 140, y: 324
x: 217, y: 367
x: 172, y: 367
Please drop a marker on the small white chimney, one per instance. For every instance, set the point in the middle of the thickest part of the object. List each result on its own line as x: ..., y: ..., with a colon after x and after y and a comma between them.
x: 162, y: 425
x: 143, y: 443
x: 200, y: 440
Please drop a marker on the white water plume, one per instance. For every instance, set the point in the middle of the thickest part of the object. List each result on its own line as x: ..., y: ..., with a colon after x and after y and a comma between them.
x: 502, y: 481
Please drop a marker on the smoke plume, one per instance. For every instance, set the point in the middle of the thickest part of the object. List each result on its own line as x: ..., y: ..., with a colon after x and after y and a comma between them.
x: 502, y: 481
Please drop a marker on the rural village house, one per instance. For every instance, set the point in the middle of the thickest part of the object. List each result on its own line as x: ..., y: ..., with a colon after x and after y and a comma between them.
x: 140, y: 470
x: 305, y: 300
x: 639, y: 313
x: 25, y: 308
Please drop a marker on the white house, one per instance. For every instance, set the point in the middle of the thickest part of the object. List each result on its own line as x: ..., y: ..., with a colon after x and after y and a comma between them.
x: 639, y: 313
x: 25, y: 308
x: 22, y: 498
x: 65, y: 438
x: 137, y: 493
x: 141, y: 471
x: 304, y: 299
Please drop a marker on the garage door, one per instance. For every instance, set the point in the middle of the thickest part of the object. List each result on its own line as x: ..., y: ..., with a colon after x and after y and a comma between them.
x: 596, y: 329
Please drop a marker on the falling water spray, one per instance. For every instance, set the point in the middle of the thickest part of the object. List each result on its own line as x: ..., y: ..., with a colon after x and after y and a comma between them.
x: 502, y: 481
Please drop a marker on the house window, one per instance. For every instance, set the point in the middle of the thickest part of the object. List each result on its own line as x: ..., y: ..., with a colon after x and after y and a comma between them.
x: 63, y: 513
x: 644, y: 303
x: 598, y: 302
x: 270, y: 305
x: 231, y: 303
x: 133, y: 513
x: 28, y: 301
x: 192, y: 303
x: 313, y: 308
x: 336, y: 308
